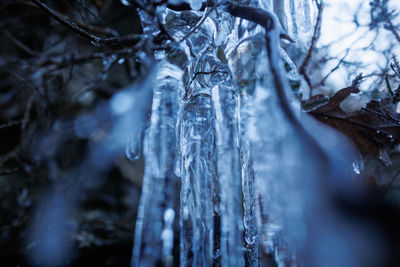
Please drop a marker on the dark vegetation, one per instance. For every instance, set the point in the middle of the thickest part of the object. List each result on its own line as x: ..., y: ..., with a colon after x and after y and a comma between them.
x: 60, y: 60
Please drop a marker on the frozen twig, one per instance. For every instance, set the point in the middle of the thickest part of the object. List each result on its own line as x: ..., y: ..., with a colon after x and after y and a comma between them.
x: 314, y: 40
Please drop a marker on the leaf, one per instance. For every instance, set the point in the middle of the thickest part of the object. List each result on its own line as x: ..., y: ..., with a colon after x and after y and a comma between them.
x: 337, y: 98
x: 374, y: 129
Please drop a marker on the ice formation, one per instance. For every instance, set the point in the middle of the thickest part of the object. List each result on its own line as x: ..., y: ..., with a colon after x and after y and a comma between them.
x: 229, y: 180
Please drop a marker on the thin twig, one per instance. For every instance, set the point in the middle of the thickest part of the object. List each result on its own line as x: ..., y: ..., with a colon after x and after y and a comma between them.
x: 392, y: 29
x: 347, y: 120
x: 322, y: 82
x: 6, y: 172
x: 380, y: 114
x: 202, y: 20
x: 10, y: 124
x: 314, y: 40
x: 187, y: 93
x: 20, y: 44
x: 23, y: 80
x: 83, y: 59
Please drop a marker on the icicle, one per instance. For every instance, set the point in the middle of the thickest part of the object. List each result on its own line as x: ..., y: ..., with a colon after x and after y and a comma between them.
x: 197, y: 176
x: 200, y: 215
x: 292, y: 27
x: 225, y: 104
x: 153, y: 233
x: 198, y: 170
x: 250, y: 199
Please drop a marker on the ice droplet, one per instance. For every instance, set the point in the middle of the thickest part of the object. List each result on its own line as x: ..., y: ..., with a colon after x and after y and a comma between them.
x: 133, y: 148
x: 356, y: 167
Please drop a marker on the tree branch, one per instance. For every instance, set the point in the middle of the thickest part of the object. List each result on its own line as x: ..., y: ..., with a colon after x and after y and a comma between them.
x: 78, y: 29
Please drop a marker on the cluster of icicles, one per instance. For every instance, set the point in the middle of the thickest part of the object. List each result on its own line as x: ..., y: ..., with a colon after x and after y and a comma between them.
x: 226, y: 182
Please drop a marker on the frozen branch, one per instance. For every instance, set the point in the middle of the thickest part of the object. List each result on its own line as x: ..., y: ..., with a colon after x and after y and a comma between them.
x: 129, y: 39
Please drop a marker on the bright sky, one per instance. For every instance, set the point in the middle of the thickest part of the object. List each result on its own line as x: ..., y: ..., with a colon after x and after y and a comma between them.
x: 338, y: 28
